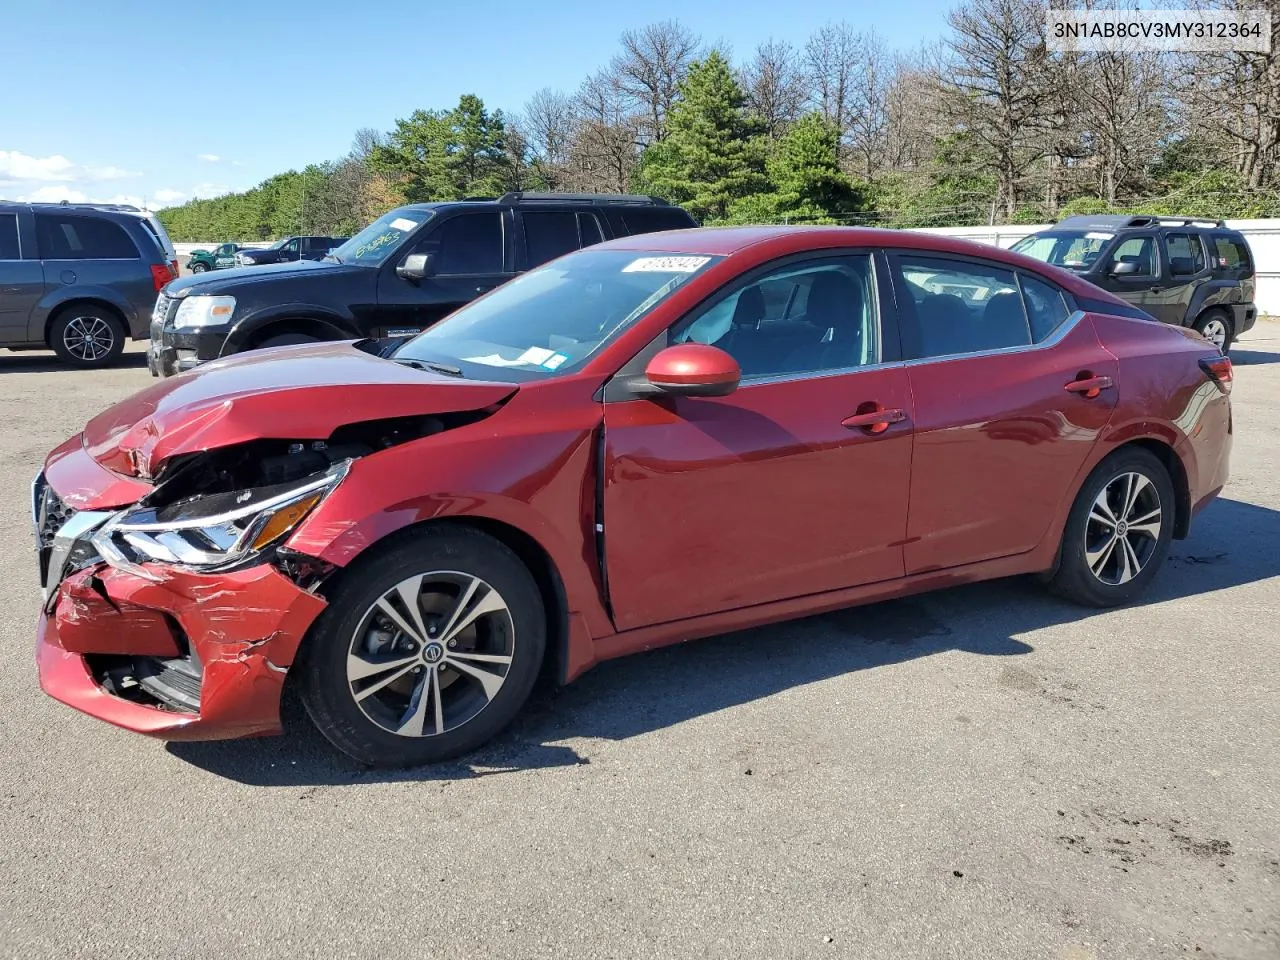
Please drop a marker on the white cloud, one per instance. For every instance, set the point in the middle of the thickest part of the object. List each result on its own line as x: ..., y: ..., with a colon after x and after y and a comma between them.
x: 237, y: 163
x: 17, y: 169
x: 208, y: 157
x: 166, y: 195
x: 209, y: 190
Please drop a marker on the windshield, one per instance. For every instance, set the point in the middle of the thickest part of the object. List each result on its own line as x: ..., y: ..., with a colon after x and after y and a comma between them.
x: 379, y: 240
x: 278, y: 244
x: 551, y: 320
x: 1075, y: 249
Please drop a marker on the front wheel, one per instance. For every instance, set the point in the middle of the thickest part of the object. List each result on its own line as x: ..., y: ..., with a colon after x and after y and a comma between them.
x: 1118, y: 531
x: 287, y: 340
x: 1216, y: 327
x: 426, y: 651
x: 199, y: 268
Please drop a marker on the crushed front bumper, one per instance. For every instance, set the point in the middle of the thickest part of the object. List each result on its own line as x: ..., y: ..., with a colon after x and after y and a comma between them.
x: 172, y: 653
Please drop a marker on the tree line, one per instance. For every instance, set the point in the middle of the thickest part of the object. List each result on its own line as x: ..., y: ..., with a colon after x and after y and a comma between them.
x: 983, y: 125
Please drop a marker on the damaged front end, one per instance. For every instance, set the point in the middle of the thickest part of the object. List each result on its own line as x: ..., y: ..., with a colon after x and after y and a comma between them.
x: 179, y: 616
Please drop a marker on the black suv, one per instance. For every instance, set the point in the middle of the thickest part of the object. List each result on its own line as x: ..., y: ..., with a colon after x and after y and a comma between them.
x: 79, y: 279
x: 1184, y: 271
x: 396, y: 277
x: 290, y: 248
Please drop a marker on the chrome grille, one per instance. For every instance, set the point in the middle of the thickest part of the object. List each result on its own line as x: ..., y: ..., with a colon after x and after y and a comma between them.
x: 50, y: 513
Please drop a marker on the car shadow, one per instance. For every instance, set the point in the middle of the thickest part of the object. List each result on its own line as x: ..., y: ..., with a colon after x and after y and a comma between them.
x: 1233, y: 543
x: 39, y: 361
x: 1249, y: 358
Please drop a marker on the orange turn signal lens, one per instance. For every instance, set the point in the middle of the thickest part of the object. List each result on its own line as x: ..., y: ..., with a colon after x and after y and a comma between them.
x: 285, y: 519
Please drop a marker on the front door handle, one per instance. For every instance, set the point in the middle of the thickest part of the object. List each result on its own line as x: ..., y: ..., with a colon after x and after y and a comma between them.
x: 483, y: 289
x: 1089, y: 387
x: 873, y: 421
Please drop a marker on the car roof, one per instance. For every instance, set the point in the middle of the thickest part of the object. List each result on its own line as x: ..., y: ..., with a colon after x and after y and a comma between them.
x: 727, y: 241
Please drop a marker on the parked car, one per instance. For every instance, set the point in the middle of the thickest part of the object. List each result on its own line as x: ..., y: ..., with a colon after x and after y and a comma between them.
x: 1187, y: 272
x: 288, y: 250
x: 80, y: 279
x: 652, y: 440
x: 396, y: 277
x: 222, y: 257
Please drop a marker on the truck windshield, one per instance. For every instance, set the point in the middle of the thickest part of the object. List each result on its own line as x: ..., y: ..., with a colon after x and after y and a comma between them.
x: 550, y: 321
x: 372, y: 245
x: 1073, y: 249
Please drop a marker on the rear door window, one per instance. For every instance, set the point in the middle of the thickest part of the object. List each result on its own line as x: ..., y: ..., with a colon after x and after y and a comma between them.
x: 63, y: 237
x: 589, y: 229
x: 1184, y: 250
x: 549, y: 235
x: 961, y: 306
x: 9, y: 249
x: 1046, y: 308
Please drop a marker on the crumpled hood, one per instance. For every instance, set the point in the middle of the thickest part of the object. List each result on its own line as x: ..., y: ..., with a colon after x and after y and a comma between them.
x: 301, y: 393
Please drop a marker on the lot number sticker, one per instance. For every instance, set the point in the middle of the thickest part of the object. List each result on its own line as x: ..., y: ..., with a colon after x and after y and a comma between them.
x: 666, y: 264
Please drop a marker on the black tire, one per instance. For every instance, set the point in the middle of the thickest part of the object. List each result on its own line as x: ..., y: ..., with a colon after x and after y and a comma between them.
x: 286, y: 340
x: 199, y: 268
x: 1086, y: 538
x: 87, y: 337
x: 1216, y: 323
x: 350, y: 623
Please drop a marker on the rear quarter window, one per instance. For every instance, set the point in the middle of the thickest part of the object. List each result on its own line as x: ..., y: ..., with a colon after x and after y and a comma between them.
x: 62, y: 237
x: 1231, y: 253
x: 652, y: 219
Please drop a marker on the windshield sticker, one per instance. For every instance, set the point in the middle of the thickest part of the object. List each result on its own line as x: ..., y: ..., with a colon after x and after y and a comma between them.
x: 666, y: 265
x: 493, y: 360
x: 1099, y: 236
x: 554, y: 361
x: 535, y: 355
x: 400, y: 223
x: 377, y: 243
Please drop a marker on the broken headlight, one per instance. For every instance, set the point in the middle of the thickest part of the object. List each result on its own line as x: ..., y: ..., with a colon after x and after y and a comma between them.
x: 213, y: 531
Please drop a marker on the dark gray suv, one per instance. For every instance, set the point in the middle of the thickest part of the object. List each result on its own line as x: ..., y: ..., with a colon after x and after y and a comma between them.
x: 80, y: 279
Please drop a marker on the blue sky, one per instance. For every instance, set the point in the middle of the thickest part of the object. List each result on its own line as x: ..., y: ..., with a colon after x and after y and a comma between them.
x: 126, y: 101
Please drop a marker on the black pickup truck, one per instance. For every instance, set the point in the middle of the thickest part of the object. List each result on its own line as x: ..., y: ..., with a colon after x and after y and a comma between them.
x: 396, y: 277
x: 289, y: 249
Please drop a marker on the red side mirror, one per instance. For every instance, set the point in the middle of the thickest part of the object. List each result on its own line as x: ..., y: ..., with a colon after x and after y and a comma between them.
x: 694, y: 370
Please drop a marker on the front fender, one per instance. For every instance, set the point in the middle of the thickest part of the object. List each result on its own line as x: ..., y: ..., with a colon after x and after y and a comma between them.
x: 539, y: 483
x: 243, y: 331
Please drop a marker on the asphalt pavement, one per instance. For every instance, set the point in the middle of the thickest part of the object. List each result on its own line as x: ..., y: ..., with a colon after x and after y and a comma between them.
x: 980, y: 773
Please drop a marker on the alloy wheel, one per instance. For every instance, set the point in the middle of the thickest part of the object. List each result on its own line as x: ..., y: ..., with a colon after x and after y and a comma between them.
x: 88, y: 338
x: 431, y: 653
x: 1215, y: 330
x: 1123, y: 528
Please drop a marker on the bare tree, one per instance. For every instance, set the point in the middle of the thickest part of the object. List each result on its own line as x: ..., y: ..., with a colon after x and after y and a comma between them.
x: 831, y: 59
x: 603, y: 152
x: 366, y: 140
x: 1234, y: 98
x: 997, y: 86
x: 911, y: 118
x: 776, y: 85
x: 547, y: 124
x: 648, y: 71
x: 868, y: 102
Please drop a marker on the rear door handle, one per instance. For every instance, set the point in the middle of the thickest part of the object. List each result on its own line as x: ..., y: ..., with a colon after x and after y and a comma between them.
x: 1090, y: 387
x: 876, y: 421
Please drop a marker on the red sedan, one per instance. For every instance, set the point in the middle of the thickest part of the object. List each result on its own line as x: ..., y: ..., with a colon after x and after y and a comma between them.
x: 648, y: 441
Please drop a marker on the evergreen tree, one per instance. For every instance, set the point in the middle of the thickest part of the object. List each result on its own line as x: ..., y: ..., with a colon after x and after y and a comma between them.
x: 712, y: 155
x: 446, y: 154
x: 807, y: 183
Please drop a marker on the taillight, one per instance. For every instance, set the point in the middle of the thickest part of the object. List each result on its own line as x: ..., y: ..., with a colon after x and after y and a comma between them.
x: 1218, y: 369
x: 161, y: 273
x: 173, y: 269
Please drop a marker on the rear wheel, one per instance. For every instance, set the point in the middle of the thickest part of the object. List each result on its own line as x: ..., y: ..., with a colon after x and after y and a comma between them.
x: 426, y: 651
x: 1216, y: 326
x: 1119, y: 530
x: 87, y: 337
x: 199, y: 268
